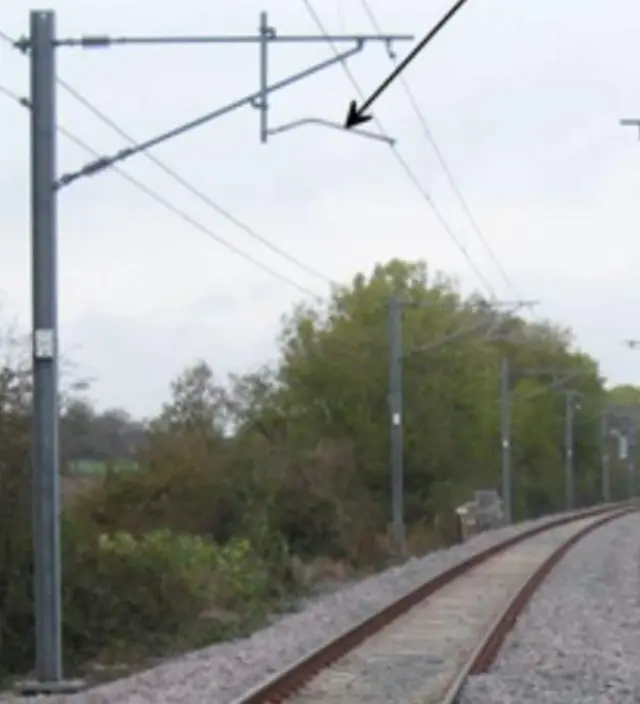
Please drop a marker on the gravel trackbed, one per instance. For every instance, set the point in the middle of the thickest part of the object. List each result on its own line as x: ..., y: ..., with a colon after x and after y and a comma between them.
x: 578, y: 642
x: 223, y: 672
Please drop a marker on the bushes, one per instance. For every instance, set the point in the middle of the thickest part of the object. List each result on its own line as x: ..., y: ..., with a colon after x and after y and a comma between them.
x: 117, y: 588
x: 15, y: 512
x: 123, y: 590
x: 122, y: 593
x: 323, y: 509
x: 238, y: 485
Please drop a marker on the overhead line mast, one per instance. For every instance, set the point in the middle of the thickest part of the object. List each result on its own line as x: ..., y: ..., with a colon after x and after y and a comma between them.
x: 41, y: 46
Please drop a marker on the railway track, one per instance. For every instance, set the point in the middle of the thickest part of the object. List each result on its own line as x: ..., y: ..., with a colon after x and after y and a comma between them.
x: 421, y: 648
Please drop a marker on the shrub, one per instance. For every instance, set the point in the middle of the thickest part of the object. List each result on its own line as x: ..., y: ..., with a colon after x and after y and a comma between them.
x: 120, y: 589
x: 241, y: 577
x: 16, y: 646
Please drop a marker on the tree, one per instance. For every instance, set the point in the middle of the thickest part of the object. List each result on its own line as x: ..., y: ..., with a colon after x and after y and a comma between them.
x: 332, y: 382
x: 197, y: 404
x: 625, y: 394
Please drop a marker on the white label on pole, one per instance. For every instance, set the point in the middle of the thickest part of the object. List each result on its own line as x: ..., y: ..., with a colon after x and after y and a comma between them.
x: 505, y: 444
x: 623, y: 448
x: 396, y: 419
x: 44, y: 344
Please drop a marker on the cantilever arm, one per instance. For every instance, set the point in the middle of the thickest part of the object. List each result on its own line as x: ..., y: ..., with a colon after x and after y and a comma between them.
x: 334, y: 125
x: 106, y: 162
x: 635, y: 122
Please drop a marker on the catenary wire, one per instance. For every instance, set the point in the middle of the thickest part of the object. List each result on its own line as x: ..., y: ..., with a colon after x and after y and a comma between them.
x: 101, y: 115
x: 403, y: 163
x: 161, y: 200
x: 415, y: 106
x: 187, y: 185
x: 401, y: 160
x: 198, y: 225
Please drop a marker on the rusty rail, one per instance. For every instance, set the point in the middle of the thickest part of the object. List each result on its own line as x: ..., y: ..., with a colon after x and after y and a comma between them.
x: 284, y: 684
x: 490, y: 648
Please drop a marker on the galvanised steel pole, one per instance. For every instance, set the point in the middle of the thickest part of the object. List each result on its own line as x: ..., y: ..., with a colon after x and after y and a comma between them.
x: 46, y: 467
x: 396, y: 421
x: 568, y: 450
x: 505, y: 438
x: 606, y: 468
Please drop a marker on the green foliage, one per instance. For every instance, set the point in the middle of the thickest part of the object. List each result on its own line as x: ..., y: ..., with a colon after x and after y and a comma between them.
x: 120, y: 589
x: 625, y: 394
x: 238, y: 484
x: 623, y: 415
x: 15, y: 499
x: 332, y: 383
x: 99, y: 468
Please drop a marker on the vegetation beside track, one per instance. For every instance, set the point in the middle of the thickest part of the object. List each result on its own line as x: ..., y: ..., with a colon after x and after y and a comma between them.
x: 242, y: 493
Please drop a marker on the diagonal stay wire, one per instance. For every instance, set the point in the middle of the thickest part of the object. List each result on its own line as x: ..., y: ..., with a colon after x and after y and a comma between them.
x: 443, y: 163
x: 191, y: 188
x: 187, y: 185
x: 161, y: 200
x: 400, y: 158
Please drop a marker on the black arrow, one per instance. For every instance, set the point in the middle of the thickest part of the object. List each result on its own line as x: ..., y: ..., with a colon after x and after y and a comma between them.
x: 355, y: 115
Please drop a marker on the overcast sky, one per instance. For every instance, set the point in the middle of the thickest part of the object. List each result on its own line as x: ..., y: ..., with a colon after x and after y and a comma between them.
x: 523, y: 99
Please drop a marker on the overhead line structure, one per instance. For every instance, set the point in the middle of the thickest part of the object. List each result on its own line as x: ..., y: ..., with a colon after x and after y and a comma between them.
x: 165, y: 203
x: 194, y: 190
x: 409, y: 172
x: 507, y: 378
x: 620, y: 421
x: 41, y: 46
x: 627, y: 410
x: 103, y: 117
x: 570, y: 405
x: 397, y: 355
x: 257, y: 100
x: 632, y: 122
x: 627, y: 419
x: 605, y: 460
x: 426, y: 129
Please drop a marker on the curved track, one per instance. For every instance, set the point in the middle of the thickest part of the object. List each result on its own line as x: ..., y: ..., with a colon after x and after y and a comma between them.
x: 422, y: 647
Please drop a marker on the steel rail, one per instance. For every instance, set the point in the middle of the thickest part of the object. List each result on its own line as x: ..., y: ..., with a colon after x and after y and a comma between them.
x: 487, y: 654
x: 491, y: 643
x: 284, y: 684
